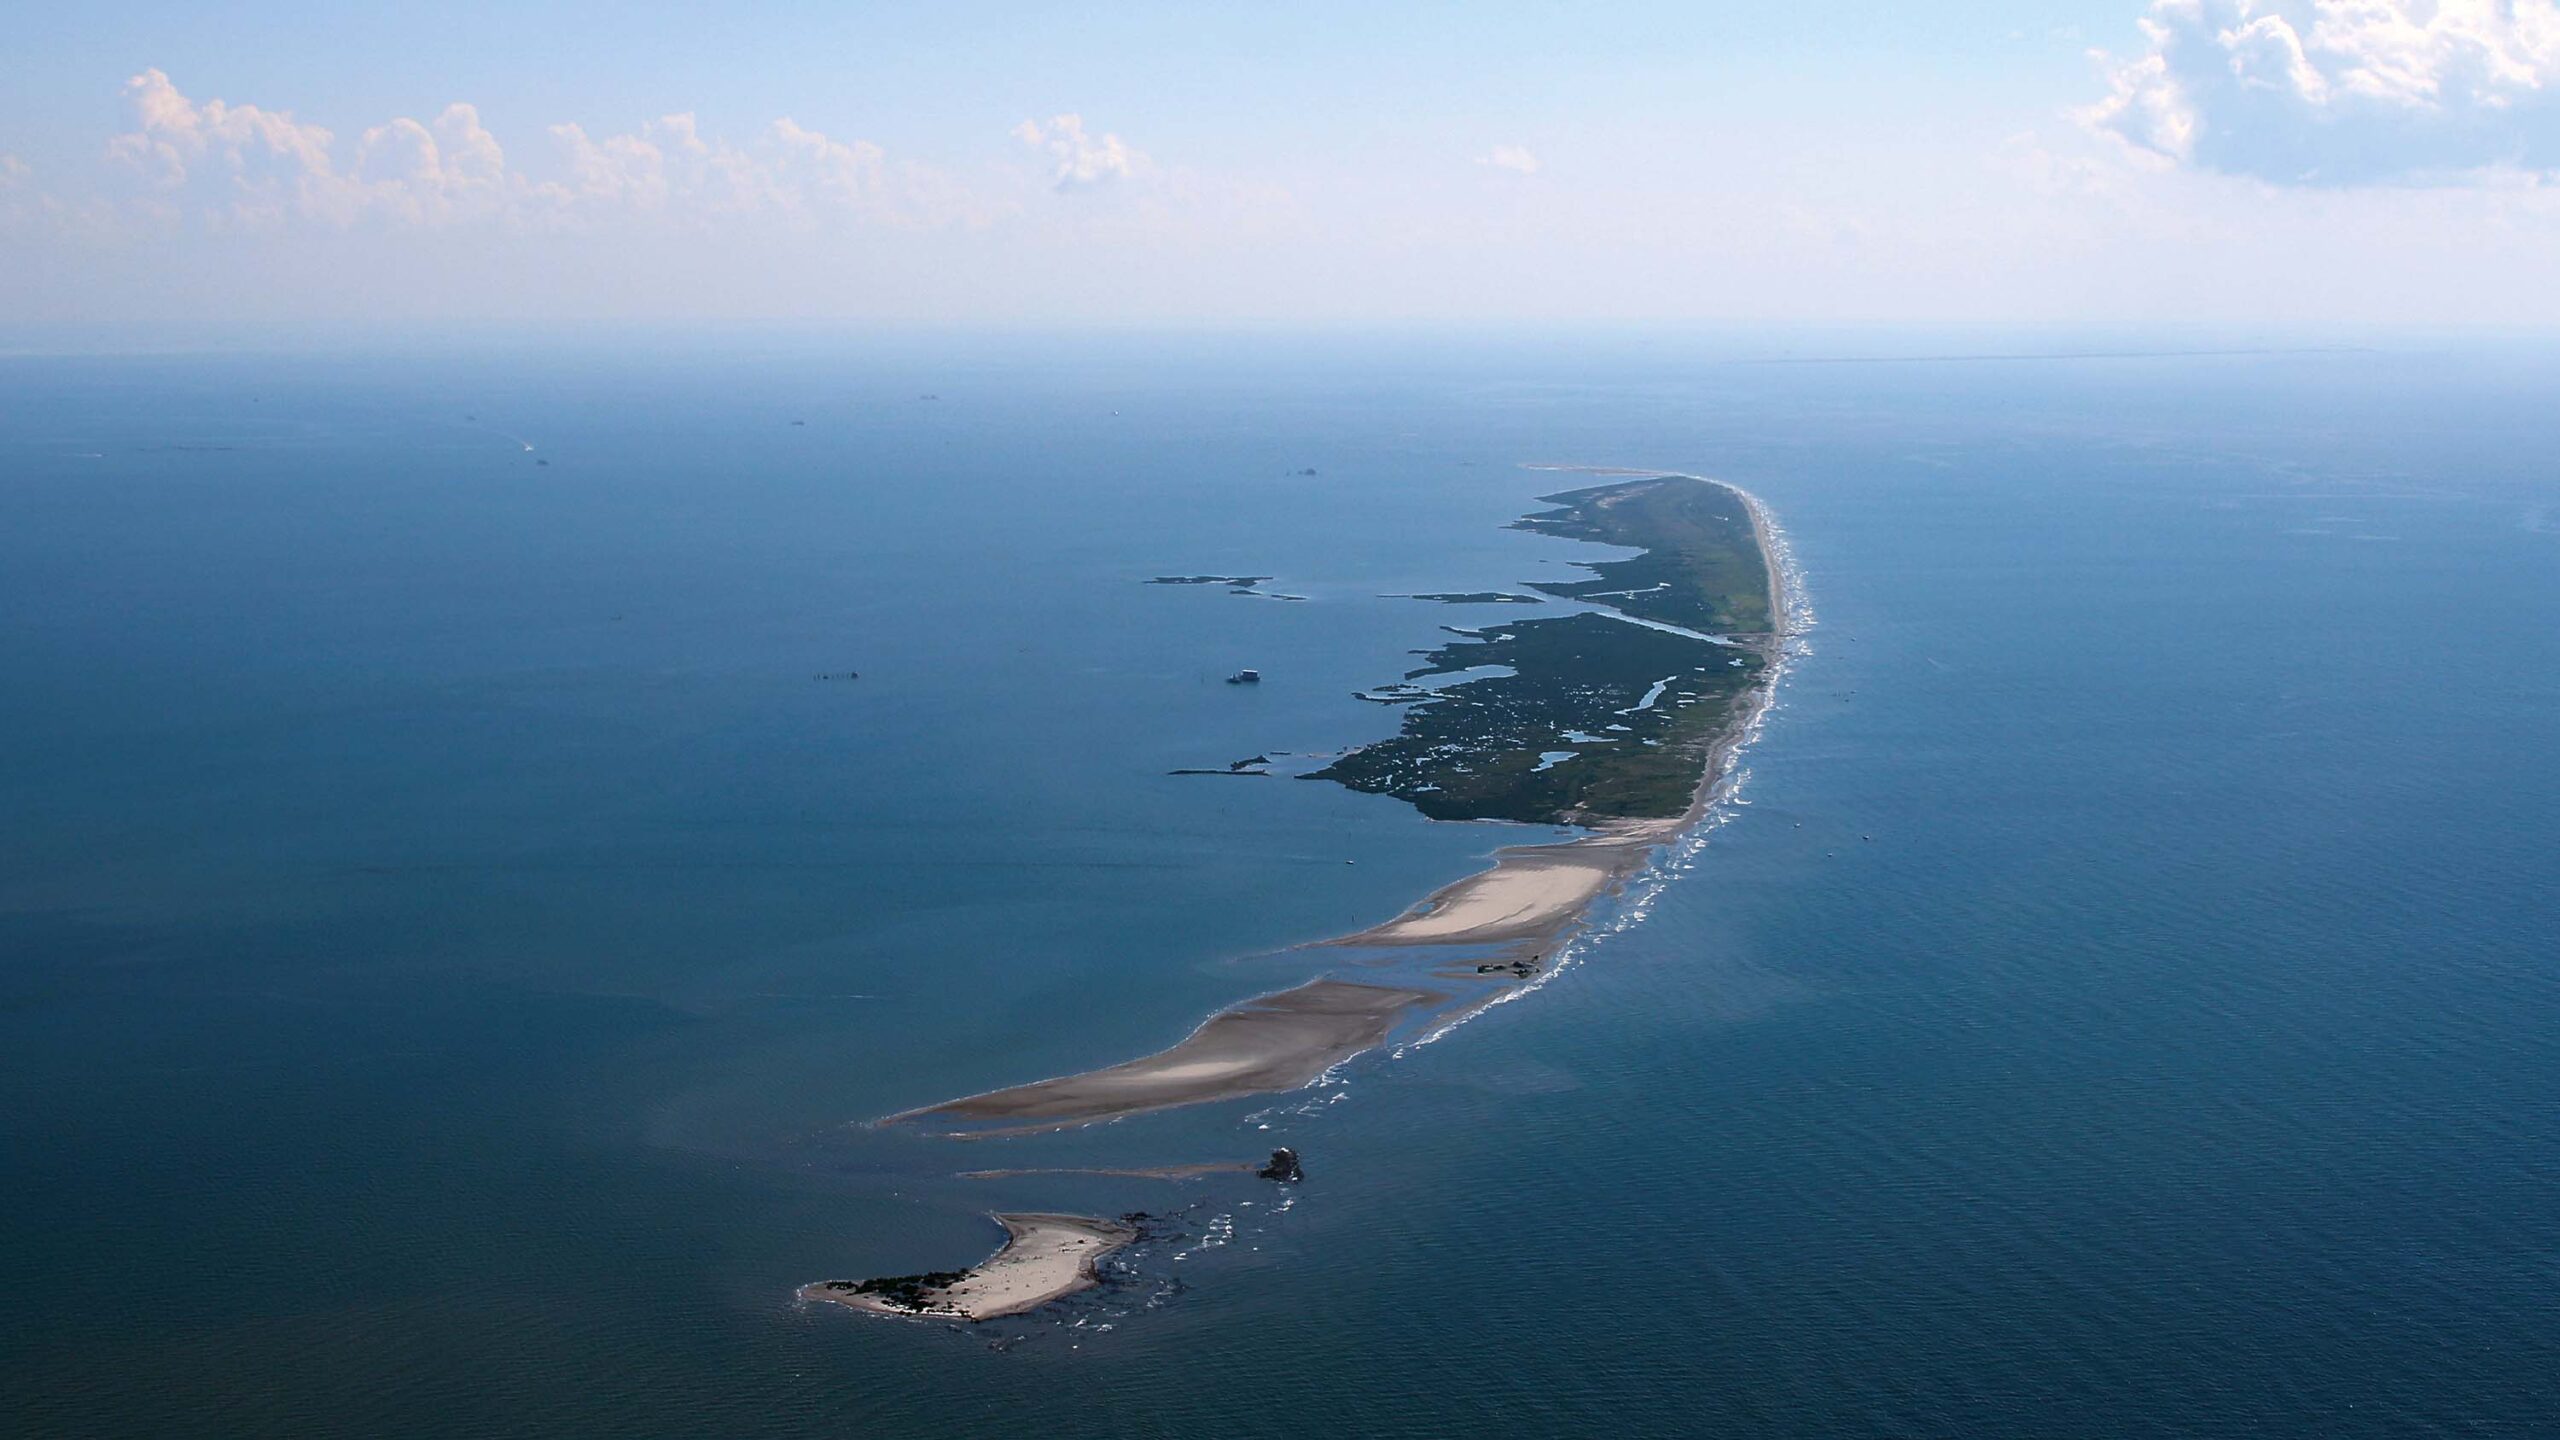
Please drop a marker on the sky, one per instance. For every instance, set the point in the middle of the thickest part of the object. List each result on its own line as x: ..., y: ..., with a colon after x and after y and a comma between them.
x: 2252, y: 162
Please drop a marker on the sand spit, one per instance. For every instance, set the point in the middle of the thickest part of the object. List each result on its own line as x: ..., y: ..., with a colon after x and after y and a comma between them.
x: 1533, y: 892
x: 1044, y: 1257
x: 1273, y: 1042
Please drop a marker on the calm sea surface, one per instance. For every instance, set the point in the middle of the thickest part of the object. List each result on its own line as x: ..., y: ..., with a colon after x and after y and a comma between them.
x: 453, y: 909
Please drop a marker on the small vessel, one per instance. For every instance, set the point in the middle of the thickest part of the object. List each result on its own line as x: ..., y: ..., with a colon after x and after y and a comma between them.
x: 1245, y: 677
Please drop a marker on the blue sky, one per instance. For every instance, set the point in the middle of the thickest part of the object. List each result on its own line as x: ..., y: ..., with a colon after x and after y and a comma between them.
x: 2281, y: 161
x: 916, y: 74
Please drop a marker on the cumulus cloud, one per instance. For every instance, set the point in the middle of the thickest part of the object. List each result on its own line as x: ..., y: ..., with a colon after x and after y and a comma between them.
x: 1515, y: 158
x: 269, y: 161
x: 448, y: 169
x: 2342, y: 92
x: 241, y: 166
x: 1083, y: 160
x: 848, y: 172
x: 626, y: 170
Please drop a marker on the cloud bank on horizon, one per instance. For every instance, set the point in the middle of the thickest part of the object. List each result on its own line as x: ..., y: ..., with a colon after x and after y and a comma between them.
x: 2344, y: 92
x: 243, y: 167
x: 1083, y: 160
x: 2245, y: 157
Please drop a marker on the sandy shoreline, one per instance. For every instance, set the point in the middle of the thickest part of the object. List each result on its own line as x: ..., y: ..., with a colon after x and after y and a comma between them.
x: 1272, y: 1042
x: 1531, y: 893
x: 1527, y: 902
x: 1535, y: 893
x: 1044, y: 1257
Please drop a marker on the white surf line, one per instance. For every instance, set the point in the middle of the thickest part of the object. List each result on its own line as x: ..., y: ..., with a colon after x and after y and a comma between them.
x: 1715, y: 808
x: 1633, y: 902
x: 1791, y: 593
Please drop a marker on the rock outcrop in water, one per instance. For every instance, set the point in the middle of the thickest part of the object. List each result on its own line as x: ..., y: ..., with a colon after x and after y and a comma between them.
x: 1284, y: 1167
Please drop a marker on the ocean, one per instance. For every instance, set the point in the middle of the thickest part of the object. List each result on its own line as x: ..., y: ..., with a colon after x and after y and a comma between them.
x: 459, y: 907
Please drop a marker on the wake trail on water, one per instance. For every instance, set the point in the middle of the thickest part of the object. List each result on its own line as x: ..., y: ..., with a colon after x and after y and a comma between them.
x: 521, y: 443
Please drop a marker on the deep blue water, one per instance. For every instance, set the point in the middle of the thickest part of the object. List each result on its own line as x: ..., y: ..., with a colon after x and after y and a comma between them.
x: 446, y: 927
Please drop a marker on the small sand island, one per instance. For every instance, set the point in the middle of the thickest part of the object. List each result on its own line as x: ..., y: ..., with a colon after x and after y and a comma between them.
x: 1618, y: 720
x: 1044, y: 1258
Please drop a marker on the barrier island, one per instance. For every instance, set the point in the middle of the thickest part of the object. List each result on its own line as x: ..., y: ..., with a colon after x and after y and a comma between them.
x: 1616, y: 719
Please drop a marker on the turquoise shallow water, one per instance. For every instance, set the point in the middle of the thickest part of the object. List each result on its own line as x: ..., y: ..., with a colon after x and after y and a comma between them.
x: 445, y: 924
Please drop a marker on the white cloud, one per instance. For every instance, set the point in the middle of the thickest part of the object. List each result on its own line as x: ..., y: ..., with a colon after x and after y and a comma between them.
x: 244, y: 166
x: 447, y: 170
x: 622, y: 170
x: 1083, y: 161
x: 787, y: 172
x: 268, y: 162
x: 176, y: 132
x: 1514, y: 158
x: 2342, y: 92
x: 239, y: 166
x: 845, y: 172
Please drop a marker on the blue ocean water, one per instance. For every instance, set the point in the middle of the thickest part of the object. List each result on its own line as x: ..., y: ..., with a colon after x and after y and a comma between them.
x: 450, y: 930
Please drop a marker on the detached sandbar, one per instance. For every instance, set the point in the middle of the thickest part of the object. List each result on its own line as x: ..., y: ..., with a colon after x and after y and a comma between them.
x: 1273, y: 1042
x: 1044, y: 1257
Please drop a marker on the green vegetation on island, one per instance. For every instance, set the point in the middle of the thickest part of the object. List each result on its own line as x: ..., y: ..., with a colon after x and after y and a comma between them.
x: 1600, y: 717
x: 1235, y: 584
x: 1701, y: 567
x: 907, y: 1292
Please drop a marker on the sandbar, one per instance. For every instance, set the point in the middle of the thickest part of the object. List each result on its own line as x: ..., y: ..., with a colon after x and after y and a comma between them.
x: 1273, y: 1042
x: 1533, y: 892
x: 1043, y: 1258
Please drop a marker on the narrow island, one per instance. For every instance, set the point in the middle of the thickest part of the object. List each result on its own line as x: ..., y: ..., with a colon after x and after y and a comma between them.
x: 1234, y: 584
x: 1618, y: 720
x: 1044, y: 1258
